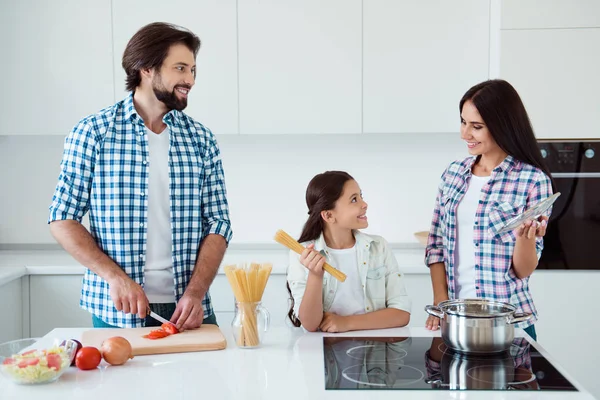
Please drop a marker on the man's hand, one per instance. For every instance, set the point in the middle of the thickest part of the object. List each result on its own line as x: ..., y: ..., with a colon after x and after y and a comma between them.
x: 189, y: 313
x: 128, y: 296
x: 333, y: 323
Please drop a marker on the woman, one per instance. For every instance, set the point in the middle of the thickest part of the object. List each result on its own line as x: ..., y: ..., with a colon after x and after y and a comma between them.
x: 505, y: 175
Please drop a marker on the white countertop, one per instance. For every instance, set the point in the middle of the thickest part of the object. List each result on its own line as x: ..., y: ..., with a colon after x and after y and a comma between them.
x: 288, y: 366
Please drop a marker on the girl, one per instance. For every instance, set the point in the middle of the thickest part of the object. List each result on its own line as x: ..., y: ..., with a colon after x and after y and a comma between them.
x: 373, y: 295
x: 504, y: 176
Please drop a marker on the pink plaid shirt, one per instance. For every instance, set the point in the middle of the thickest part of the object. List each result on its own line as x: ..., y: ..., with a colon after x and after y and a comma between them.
x: 513, y: 187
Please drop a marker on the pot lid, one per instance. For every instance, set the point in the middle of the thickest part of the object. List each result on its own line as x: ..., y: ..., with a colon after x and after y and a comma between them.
x: 478, y: 308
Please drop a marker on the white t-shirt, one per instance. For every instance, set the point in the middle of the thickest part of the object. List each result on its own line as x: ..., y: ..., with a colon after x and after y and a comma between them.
x: 349, y: 297
x: 159, y: 285
x: 465, y: 256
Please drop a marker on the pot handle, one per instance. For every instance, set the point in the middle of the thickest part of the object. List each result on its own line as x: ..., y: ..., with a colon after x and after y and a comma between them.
x: 435, y: 311
x: 436, y: 380
x: 518, y: 317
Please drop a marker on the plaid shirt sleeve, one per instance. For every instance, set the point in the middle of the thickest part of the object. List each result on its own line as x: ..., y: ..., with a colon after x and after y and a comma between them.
x: 72, y: 193
x: 215, y: 209
x: 542, y: 189
x: 434, y: 253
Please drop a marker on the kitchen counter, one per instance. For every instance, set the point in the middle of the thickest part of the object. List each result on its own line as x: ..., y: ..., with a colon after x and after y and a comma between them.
x: 288, y: 366
x: 41, y: 281
x: 11, y: 273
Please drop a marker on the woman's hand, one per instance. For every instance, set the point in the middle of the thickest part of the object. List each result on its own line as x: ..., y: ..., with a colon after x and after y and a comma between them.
x: 433, y: 322
x: 532, y: 228
x: 313, y: 260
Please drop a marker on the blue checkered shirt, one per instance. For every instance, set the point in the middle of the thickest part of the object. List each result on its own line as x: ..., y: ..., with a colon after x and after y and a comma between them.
x: 104, y: 170
x: 513, y: 187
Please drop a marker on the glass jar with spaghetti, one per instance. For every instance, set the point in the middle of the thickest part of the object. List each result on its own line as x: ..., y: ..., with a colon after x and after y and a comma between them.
x: 249, y: 324
x: 251, y: 320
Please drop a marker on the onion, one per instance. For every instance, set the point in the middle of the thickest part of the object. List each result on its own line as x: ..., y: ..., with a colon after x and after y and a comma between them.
x: 116, y: 350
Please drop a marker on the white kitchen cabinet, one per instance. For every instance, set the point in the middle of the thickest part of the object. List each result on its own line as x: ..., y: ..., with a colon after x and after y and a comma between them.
x: 544, y: 14
x: 11, y: 311
x: 419, y: 60
x: 221, y: 295
x: 224, y: 318
x: 54, y: 303
x: 420, y: 291
x: 556, y: 73
x: 214, y: 99
x: 300, y: 66
x: 56, y: 64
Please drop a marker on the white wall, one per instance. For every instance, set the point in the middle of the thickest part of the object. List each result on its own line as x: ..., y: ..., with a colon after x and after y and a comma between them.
x: 266, y: 178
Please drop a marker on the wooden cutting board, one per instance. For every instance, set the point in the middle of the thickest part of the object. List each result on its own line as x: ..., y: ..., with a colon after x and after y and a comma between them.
x: 207, y: 337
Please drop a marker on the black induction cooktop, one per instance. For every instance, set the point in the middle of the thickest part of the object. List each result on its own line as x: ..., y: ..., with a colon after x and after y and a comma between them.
x: 419, y: 363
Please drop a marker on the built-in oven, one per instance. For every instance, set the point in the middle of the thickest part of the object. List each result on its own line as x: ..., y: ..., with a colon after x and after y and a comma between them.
x: 572, y: 240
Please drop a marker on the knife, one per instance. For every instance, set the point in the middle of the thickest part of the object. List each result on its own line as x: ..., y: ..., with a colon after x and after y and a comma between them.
x: 159, y: 318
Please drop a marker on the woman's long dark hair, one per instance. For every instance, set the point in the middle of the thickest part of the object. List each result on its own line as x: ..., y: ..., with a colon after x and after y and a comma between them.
x: 503, y: 112
x: 322, y: 193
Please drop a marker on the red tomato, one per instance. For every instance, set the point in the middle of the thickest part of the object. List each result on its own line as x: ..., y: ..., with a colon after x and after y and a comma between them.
x: 28, y: 352
x: 28, y: 362
x: 88, y: 358
x: 54, y: 361
x: 8, y: 361
x: 170, y: 329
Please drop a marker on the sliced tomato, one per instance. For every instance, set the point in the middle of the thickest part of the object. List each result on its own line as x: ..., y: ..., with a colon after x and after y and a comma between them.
x: 54, y: 361
x: 28, y: 362
x: 8, y: 361
x: 170, y: 329
x: 28, y: 352
x: 156, y: 334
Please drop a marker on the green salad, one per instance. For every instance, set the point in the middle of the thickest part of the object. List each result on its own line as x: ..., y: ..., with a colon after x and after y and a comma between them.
x: 36, y: 366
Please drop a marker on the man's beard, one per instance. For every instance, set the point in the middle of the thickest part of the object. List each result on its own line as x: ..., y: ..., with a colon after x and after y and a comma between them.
x: 169, y: 99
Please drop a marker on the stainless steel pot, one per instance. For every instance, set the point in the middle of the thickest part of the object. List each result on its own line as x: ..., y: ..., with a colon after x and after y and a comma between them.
x: 477, y: 326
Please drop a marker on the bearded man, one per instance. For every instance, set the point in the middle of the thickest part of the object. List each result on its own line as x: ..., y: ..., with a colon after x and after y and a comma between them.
x: 152, y: 181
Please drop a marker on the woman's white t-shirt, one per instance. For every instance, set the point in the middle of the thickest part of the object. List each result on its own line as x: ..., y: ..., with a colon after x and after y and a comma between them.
x: 465, y: 256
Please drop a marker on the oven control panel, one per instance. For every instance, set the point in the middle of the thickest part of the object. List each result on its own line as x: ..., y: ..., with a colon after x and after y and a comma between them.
x: 571, y: 156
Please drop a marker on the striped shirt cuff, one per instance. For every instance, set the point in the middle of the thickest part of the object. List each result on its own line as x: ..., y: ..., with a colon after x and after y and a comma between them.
x: 58, y: 215
x: 220, y: 228
x: 434, y: 256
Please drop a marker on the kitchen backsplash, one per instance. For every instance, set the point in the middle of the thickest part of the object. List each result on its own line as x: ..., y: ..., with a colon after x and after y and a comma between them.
x: 266, y: 177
